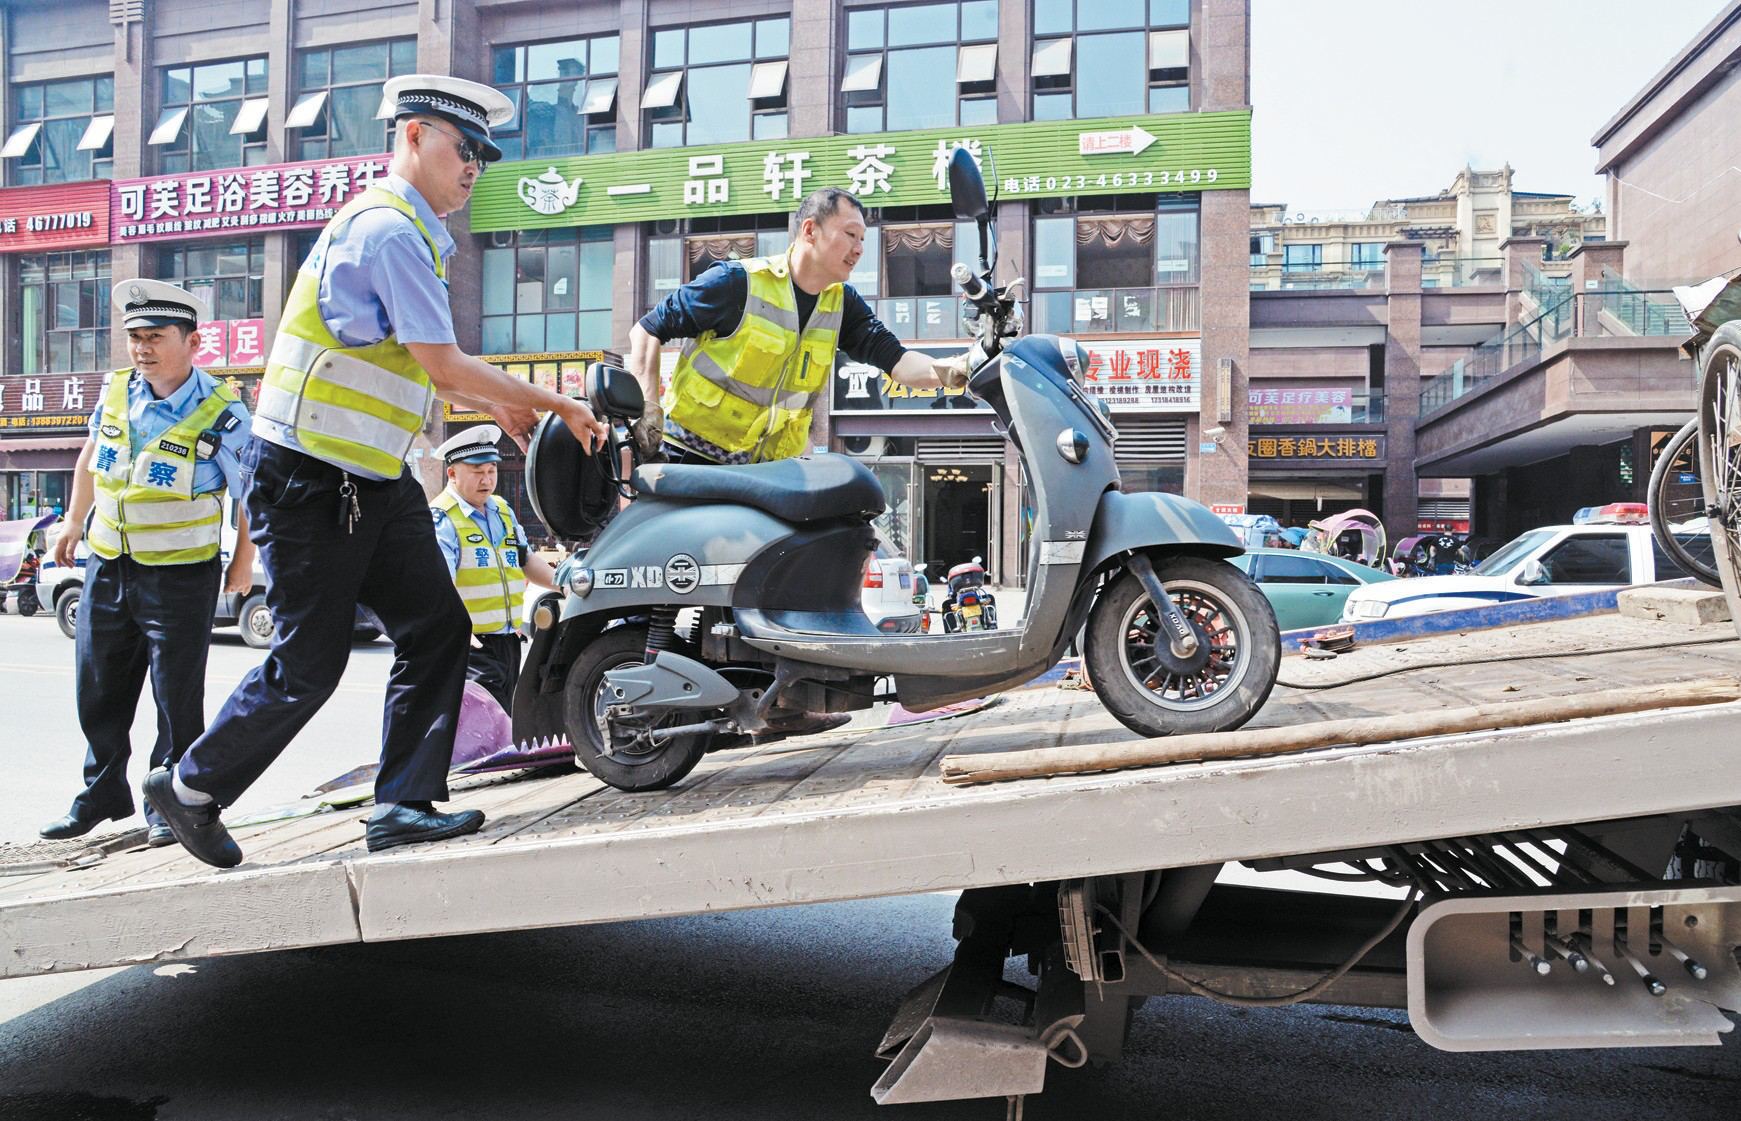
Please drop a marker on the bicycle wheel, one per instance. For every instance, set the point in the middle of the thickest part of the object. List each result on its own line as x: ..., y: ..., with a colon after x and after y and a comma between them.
x: 1720, y: 456
x: 1677, y: 499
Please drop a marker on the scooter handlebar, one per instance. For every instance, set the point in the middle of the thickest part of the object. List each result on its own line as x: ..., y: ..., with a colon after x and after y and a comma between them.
x: 973, y: 287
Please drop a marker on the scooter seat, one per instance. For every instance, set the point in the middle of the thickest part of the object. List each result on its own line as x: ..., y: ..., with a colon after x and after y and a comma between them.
x: 806, y: 489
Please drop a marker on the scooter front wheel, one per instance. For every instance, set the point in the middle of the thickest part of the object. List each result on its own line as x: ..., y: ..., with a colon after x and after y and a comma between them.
x: 628, y: 757
x: 1154, y: 690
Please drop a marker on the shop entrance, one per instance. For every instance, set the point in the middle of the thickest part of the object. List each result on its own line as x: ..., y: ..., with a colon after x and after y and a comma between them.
x: 958, y: 515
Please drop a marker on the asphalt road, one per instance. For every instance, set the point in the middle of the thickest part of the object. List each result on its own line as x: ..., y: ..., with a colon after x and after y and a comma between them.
x: 768, y: 1015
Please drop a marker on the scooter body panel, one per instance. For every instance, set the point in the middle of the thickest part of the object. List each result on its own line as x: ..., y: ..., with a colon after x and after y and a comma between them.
x: 1126, y: 523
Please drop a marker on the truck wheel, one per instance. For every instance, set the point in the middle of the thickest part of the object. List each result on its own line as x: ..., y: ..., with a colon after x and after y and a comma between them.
x: 66, y: 612
x: 255, y: 621
x: 635, y: 763
x: 27, y: 602
x: 1154, y: 692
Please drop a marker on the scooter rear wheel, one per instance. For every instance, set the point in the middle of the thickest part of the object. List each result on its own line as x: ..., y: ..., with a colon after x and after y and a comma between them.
x: 632, y: 764
x: 1219, y: 686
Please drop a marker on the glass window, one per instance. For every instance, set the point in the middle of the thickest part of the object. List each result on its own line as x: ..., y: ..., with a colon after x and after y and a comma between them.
x: 1122, y: 271
x: 1594, y: 559
x: 713, y: 101
x: 1302, y: 258
x: 916, y: 260
x: 1291, y: 570
x: 550, y: 291
x: 1130, y: 56
x: 63, y: 313
x: 923, y: 79
x: 565, y: 94
x: 1368, y: 255
x: 213, y: 116
x: 229, y: 276
x: 340, y: 92
x: 50, y: 121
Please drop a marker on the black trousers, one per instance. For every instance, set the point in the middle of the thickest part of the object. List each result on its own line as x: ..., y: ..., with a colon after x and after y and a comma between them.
x: 318, y: 572
x: 495, y: 664
x: 137, y: 618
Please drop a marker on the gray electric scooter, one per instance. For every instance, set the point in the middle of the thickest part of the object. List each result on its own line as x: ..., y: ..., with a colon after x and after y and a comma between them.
x: 722, y: 604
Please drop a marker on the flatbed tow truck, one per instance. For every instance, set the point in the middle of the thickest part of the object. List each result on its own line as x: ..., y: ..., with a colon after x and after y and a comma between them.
x: 1564, y: 884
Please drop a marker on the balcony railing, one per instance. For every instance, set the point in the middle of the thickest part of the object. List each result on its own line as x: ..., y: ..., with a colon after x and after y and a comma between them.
x: 1301, y: 406
x: 1600, y: 314
x: 1462, y: 272
x: 1300, y: 278
x: 1093, y: 311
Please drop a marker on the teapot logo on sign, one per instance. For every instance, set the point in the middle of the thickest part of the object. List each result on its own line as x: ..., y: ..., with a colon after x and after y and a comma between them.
x: 549, y: 194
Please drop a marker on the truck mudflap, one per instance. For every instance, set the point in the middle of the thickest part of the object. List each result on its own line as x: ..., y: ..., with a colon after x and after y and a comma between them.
x: 537, y: 715
x: 1647, y: 966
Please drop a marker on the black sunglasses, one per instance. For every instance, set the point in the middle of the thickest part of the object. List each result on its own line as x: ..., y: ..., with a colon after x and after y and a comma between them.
x: 470, y: 151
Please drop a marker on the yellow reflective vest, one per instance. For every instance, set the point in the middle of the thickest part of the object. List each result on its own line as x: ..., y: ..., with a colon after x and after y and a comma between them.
x: 753, y: 391
x: 490, y: 579
x: 355, y: 407
x: 146, y: 507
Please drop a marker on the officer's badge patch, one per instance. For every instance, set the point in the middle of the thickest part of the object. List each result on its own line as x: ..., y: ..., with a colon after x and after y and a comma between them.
x: 112, y: 431
x: 474, y: 538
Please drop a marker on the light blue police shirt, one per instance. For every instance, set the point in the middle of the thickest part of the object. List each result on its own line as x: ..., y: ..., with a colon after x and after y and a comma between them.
x: 492, y: 527
x: 377, y: 278
x: 149, y: 417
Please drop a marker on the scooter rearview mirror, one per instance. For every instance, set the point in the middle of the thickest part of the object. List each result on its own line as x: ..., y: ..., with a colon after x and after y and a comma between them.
x: 967, y: 188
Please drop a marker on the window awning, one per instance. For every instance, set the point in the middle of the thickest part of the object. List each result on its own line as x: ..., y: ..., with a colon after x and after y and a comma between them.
x: 768, y: 79
x: 97, y: 135
x: 863, y: 74
x: 661, y: 93
x: 976, y: 63
x: 601, y: 96
x: 250, y: 118
x: 1169, y: 50
x: 307, y: 111
x: 1052, y: 60
x: 20, y: 141
x: 169, y: 126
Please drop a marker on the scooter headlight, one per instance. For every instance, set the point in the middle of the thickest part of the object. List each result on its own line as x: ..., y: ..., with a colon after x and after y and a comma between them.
x: 580, y: 580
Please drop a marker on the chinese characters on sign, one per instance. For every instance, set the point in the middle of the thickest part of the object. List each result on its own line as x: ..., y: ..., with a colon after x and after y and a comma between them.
x: 1369, y: 448
x: 1156, y: 375
x: 65, y: 216
x: 1300, y: 405
x: 231, y: 342
x: 48, y: 401
x: 1174, y: 151
x: 280, y: 197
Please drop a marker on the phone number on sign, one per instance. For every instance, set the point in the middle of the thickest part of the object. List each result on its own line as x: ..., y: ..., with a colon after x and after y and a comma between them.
x: 1029, y: 184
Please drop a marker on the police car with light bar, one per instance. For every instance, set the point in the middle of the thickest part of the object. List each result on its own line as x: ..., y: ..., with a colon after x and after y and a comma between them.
x: 1606, y: 547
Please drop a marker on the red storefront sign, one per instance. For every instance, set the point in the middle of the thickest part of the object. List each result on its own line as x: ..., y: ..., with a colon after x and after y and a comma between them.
x: 211, y: 203
x: 64, y: 216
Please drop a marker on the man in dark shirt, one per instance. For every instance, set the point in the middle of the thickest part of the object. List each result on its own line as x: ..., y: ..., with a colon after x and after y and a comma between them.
x: 710, y: 309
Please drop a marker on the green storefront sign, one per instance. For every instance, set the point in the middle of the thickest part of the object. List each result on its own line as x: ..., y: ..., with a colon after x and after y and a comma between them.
x: 1172, y: 152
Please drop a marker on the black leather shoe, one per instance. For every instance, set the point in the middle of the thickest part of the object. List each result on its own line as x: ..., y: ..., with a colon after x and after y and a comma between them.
x: 76, y: 824
x: 397, y: 823
x: 196, y: 827
x: 159, y: 836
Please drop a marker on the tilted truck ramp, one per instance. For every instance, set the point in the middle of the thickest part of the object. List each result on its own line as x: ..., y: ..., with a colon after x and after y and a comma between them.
x: 858, y: 815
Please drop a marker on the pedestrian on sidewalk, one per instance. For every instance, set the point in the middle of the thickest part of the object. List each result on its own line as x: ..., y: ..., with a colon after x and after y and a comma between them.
x: 488, y: 557
x: 365, y: 344
x: 162, y: 450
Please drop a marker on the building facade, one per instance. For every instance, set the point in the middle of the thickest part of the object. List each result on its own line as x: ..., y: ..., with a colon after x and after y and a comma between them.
x: 206, y: 144
x: 1354, y: 311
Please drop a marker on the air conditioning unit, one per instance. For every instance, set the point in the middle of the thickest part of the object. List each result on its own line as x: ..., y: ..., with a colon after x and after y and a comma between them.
x: 872, y: 447
x: 502, y: 239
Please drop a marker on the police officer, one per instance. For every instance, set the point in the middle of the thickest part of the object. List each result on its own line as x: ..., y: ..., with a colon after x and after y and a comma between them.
x: 365, y: 343
x: 162, y: 450
x: 488, y: 557
x: 762, y: 338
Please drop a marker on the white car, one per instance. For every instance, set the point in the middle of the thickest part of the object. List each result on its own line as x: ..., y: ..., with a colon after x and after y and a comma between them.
x: 888, y: 591
x: 1553, y: 561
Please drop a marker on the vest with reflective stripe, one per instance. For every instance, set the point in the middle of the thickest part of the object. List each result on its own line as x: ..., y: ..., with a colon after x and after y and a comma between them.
x: 355, y: 407
x: 145, y: 504
x: 491, y: 585
x: 753, y: 390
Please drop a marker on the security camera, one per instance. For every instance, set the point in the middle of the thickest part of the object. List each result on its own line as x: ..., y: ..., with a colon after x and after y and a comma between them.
x: 1214, y: 433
